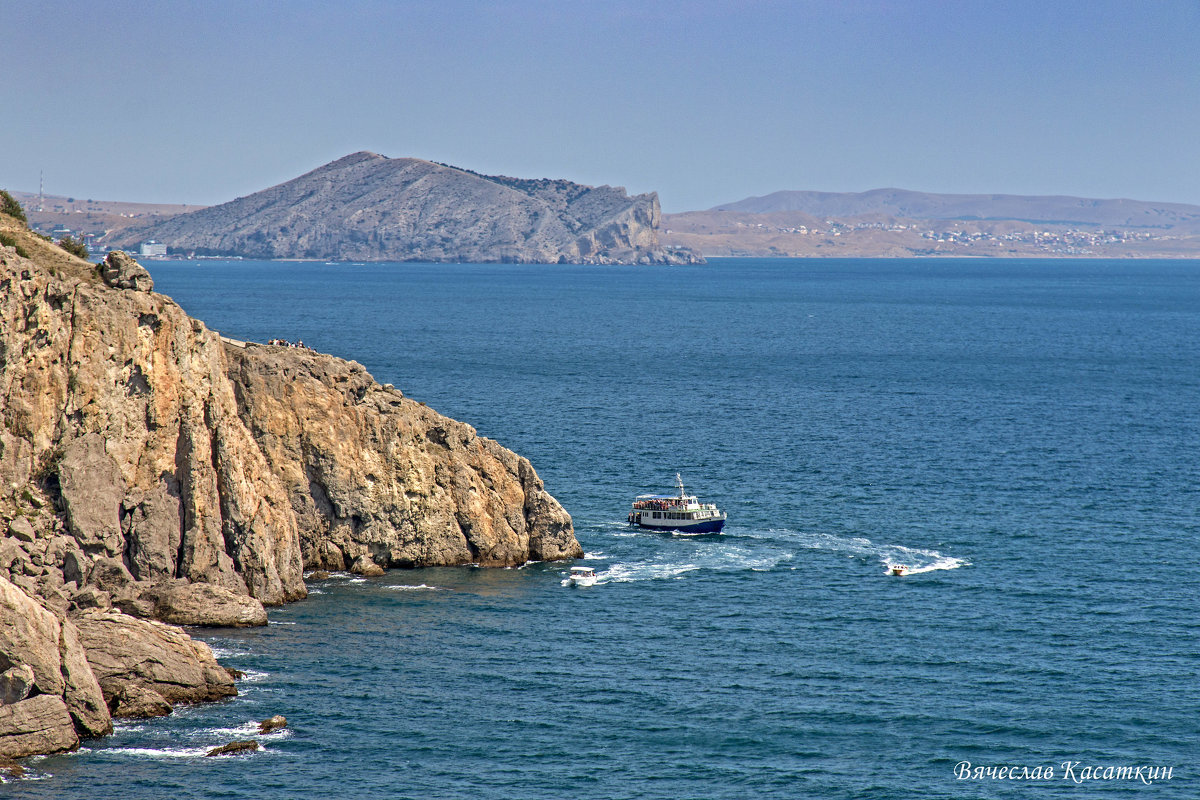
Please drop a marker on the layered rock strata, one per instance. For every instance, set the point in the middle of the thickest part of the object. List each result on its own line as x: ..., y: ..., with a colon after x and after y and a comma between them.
x: 147, y: 474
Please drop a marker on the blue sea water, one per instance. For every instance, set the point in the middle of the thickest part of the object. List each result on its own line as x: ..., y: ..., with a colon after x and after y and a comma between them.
x: 1025, y: 434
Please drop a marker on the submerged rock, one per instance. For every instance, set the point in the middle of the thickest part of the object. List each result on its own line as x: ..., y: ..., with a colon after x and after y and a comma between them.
x: 11, y: 768
x: 245, y: 746
x: 273, y: 724
x: 364, y: 565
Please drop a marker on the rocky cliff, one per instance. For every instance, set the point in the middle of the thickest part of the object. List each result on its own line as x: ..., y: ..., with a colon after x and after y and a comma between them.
x: 151, y: 471
x: 372, y: 473
x: 366, y: 207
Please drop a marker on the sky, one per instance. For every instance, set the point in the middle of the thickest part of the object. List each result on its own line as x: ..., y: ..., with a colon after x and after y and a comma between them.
x: 705, y: 102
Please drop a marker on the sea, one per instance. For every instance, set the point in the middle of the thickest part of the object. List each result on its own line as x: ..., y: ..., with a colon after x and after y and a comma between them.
x: 1023, y: 434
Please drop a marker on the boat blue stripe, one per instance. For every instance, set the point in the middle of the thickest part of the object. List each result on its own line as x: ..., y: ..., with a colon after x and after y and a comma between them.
x: 707, y: 526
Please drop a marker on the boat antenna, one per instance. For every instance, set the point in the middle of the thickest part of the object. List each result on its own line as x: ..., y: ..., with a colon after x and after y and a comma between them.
x: 679, y: 483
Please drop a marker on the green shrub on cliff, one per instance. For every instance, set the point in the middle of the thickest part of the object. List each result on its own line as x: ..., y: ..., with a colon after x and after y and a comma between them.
x: 10, y: 241
x: 10, y: 206
x: 74, y: 247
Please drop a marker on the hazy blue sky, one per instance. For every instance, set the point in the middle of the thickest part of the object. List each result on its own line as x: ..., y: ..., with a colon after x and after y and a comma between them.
x: 704, y: 102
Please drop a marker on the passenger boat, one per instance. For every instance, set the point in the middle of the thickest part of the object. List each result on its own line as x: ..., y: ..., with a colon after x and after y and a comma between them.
x: 897, y: 569
x: 676, y: 512
x: 580, y: 576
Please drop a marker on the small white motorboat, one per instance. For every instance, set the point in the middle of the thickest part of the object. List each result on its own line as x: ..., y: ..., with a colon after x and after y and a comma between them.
x: 897, y: 569
x: 580, y: 576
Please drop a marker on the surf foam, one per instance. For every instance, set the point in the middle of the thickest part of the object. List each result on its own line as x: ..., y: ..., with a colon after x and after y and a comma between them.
x: 917, y: 559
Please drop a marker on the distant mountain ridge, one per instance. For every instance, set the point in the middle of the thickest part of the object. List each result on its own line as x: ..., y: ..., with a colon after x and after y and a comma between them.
x: 897, y: 223
x: 367, y: 207
x: 901, y: 203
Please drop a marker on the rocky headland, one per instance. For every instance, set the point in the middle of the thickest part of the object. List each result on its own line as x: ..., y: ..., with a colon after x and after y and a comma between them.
x: 154, y: 475
x: 366, y: 207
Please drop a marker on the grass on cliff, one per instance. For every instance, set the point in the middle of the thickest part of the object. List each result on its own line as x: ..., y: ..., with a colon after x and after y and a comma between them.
x: 45, y: 254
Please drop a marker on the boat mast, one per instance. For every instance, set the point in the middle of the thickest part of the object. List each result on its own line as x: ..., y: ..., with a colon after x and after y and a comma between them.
x: 679, y: 483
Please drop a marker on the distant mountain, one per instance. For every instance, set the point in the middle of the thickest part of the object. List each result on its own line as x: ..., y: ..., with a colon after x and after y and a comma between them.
x: 366, y: 207
x: 1053, y: 210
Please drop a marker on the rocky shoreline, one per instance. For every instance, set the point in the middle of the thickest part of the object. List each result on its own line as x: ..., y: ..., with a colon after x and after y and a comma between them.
x: 154, y: 475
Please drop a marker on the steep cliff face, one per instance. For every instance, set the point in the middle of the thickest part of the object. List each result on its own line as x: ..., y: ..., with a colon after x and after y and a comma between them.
x: 117, y: 407
x: 371, y: 472
x: 366, y: 207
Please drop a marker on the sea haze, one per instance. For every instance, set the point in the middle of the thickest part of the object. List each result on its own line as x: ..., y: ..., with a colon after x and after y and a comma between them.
x: 1024, y: 434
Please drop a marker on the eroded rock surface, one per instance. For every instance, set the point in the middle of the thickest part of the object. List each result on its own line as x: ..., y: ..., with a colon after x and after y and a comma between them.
x: 138, y: 702
x: 372, y: 473
x: 120, y: 271
x: 186, y: 603
x: 41, y: 656
x: 123, y: 651
x: 117, y: 405
x: 40, y: 724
